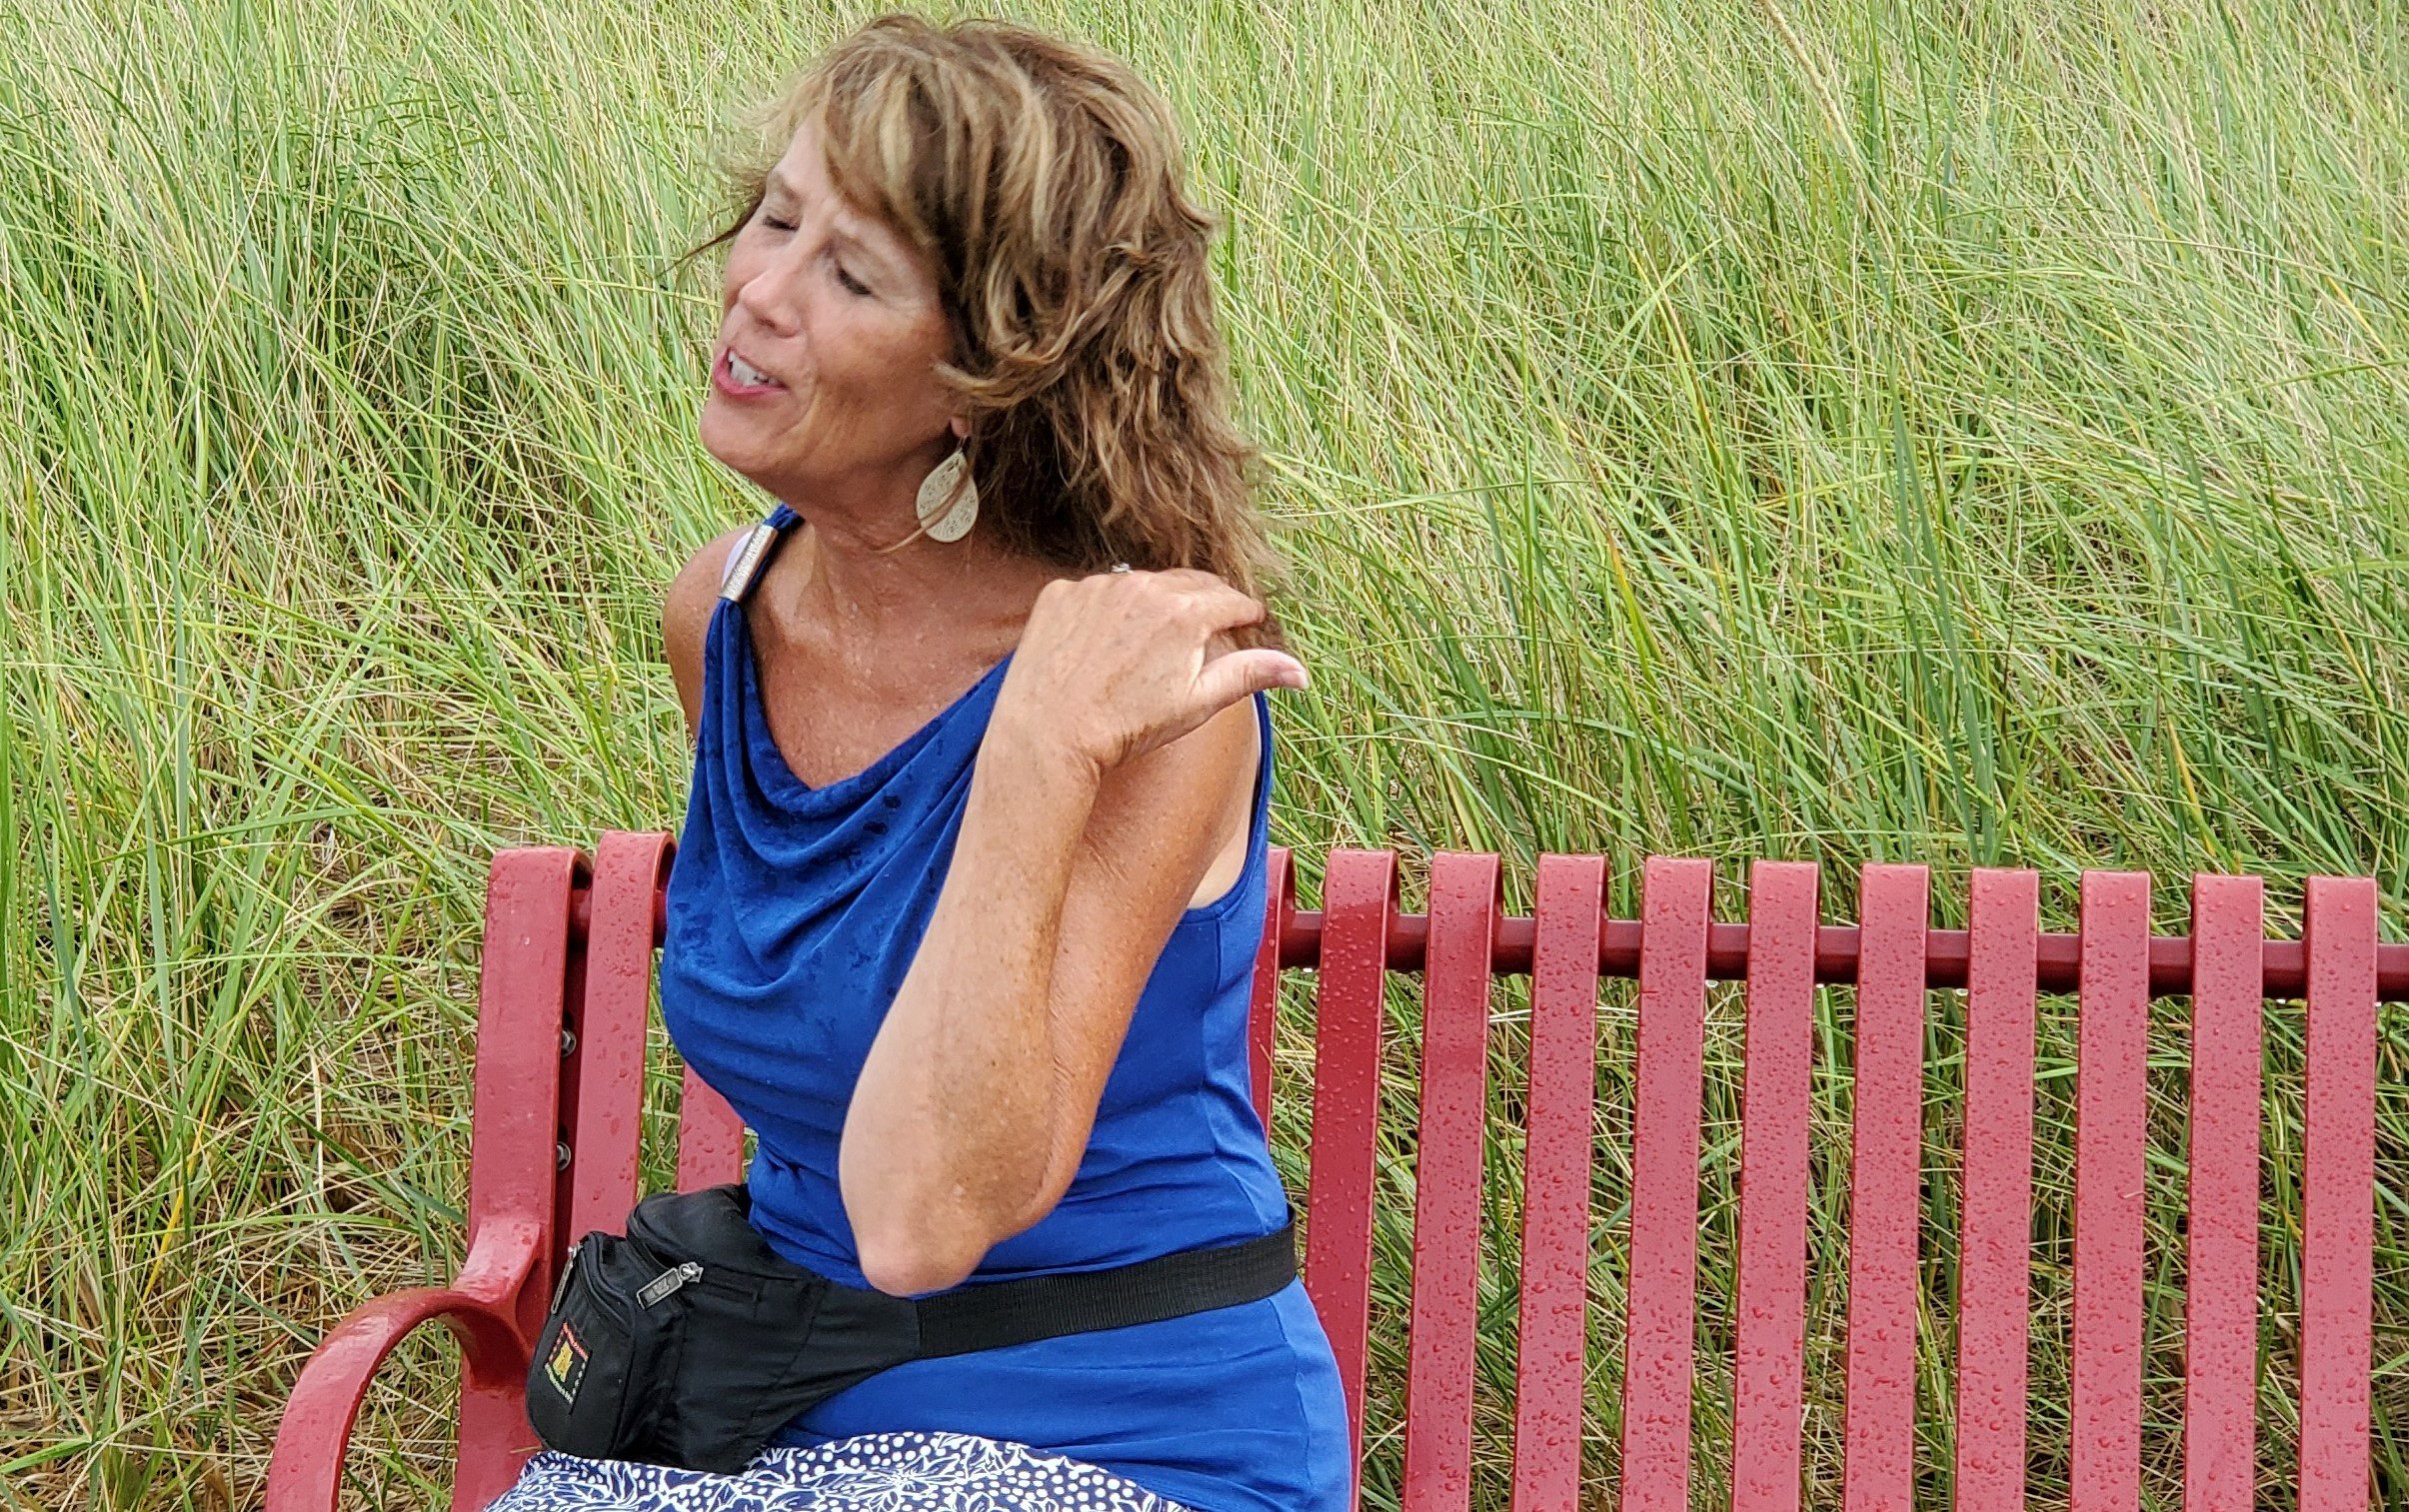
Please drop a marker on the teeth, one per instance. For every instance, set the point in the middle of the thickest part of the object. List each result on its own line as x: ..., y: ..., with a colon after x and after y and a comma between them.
x: 745, y: 373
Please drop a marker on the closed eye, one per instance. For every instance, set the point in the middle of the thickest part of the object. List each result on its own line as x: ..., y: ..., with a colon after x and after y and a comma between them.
x: 850, y: 284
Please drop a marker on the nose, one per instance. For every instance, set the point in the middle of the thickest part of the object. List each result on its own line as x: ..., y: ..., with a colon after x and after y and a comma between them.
x: 771, y: 297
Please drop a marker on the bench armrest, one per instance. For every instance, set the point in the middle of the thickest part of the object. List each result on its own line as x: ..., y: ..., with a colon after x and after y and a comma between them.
x: 304, y: 1470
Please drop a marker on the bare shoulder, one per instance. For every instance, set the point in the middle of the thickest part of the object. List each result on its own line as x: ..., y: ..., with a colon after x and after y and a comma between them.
x: 686, y: 617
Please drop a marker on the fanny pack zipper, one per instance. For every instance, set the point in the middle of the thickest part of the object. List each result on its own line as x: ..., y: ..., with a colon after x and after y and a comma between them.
x: 560, y: 1288
x: 667, y: 1282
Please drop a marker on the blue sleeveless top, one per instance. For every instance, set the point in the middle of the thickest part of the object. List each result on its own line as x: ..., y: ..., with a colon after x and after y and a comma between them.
x: 792, y: 913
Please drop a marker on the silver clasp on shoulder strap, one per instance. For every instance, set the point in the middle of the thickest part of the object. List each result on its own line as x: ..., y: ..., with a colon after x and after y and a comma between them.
x: 747, y: 561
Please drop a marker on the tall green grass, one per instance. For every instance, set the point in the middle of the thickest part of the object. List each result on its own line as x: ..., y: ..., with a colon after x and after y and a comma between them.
x: 1973, y: 433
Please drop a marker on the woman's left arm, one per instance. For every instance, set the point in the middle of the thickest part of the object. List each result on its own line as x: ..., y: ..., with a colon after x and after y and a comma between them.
x: 978, y: 1093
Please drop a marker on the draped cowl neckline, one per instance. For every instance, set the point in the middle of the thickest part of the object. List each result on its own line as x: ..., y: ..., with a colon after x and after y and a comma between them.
x: 757, y: 775
x: 777, y: 777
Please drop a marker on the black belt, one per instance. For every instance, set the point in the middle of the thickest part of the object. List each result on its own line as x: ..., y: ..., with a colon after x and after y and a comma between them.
x: 690, y: 1342
x: 994, y: 1313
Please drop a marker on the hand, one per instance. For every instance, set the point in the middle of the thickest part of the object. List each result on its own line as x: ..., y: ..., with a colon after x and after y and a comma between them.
x: 1112, y: 665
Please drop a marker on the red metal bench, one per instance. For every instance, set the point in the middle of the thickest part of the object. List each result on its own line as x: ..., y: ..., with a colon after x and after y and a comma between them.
x: 560, y: 1061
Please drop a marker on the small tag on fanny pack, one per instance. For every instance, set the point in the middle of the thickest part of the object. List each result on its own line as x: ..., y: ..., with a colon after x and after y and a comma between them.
x: 565, y: 1367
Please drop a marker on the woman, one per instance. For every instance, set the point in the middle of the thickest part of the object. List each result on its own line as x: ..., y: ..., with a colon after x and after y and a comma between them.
x: 966, y: 910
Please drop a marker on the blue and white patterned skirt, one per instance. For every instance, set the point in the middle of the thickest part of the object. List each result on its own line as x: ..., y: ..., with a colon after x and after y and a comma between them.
x: 868, y: 1472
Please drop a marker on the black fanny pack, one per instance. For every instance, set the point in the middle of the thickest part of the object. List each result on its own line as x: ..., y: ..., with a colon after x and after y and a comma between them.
x: 690, y: 1342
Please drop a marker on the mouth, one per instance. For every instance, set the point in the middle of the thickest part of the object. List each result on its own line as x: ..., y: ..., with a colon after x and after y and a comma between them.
x: 740, y: 379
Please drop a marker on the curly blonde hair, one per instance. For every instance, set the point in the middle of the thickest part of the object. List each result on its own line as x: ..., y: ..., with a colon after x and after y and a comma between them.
x: 1042, y: 177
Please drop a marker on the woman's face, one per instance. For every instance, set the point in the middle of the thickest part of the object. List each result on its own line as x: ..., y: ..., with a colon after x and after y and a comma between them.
x: 830, y: 325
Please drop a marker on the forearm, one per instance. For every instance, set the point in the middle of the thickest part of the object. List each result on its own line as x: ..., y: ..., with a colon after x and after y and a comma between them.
x: 954, y: 1121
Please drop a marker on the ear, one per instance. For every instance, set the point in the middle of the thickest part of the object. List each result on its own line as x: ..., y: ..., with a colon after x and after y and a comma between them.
x: 961, y: 428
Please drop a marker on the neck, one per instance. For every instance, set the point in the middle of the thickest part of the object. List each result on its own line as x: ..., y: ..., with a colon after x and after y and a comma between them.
x: 856, y: 580
x: 922, y: 607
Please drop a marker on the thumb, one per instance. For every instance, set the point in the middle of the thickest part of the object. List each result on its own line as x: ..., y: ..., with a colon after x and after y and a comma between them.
x: 1235, y: 675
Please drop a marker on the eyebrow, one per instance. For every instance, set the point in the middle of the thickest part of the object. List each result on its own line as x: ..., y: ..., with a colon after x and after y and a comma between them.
x: 780, y: 182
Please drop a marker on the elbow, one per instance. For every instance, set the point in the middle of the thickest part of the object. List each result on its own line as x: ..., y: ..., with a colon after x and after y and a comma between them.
x: 905, y: 1264
x: 916, y: 1231
x: 909, y: 1247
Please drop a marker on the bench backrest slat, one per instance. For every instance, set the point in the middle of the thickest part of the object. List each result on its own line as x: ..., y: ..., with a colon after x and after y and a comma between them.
x: 1885, y: 1189
x: 1995, y: 1275
x: 2111, y: 1128
x: 2337, y: 1262
x: 1669, y: 1078
x: 1443, y: 1326
x: 1769, y: 1343
x: 1559, y: 1134
x: 2220, y: 1385
x: 529, y: 984
x: 1358, y: 892
x: 601, y: 1094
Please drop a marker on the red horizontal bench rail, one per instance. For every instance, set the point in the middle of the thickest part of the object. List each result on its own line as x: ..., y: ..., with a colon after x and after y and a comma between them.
x: 2057, y: 958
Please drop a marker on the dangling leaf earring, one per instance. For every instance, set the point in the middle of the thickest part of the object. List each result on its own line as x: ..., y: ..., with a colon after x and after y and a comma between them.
x: 948, y: 497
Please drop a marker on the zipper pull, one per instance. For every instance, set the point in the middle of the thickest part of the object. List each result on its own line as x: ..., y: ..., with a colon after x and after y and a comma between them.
x: 560, y: 1288
x: 667, y: 1282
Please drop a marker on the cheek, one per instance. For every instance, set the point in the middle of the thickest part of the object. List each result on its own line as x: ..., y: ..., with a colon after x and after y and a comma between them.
x: 870, y: 351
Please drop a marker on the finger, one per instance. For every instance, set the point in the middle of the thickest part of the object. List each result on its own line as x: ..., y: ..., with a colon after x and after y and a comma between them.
x: 1221, y: 607
x: 1239, y: 674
